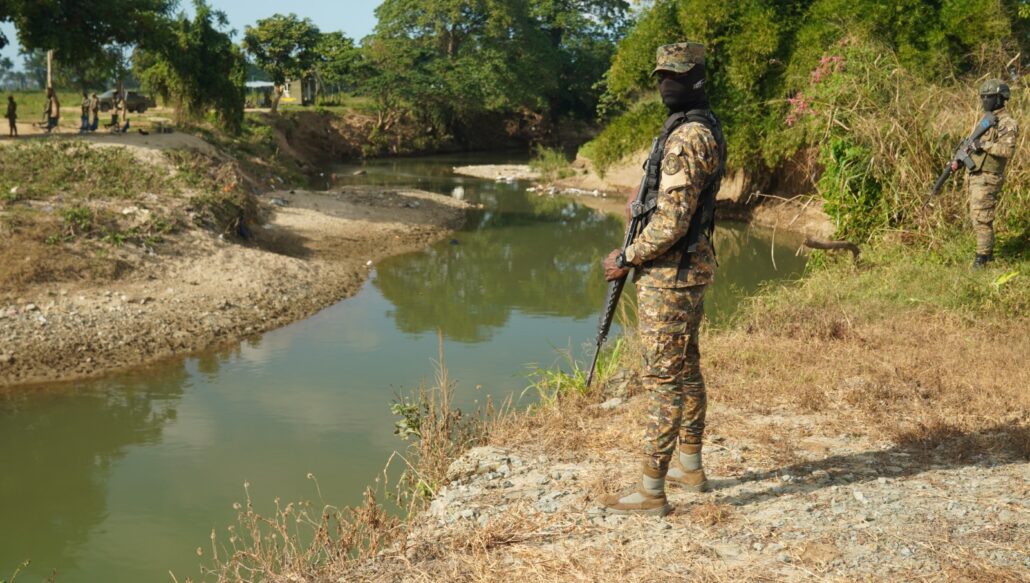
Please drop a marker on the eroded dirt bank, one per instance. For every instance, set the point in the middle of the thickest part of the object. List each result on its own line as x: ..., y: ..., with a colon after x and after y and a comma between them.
x: 315, y: 249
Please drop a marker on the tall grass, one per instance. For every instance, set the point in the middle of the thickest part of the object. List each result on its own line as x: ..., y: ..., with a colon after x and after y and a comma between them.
x: 884, y: 133
x: 566, y: 378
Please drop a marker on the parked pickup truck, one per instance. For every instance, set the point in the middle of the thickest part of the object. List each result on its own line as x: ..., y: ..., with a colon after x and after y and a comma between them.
x: 138, y: 102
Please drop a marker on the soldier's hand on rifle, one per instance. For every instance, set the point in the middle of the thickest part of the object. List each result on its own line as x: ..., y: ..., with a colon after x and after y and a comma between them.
x: 612, y: 271
x: 954, y: 165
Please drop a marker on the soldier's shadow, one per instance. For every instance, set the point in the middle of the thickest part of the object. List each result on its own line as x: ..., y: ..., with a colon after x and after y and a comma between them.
x: 1002, y: 444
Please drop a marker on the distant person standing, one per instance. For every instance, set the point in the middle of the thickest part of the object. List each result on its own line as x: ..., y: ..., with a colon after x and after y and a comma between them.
x: 12, y: 115
x: 123, y: 114
x: 84, y: 118
x: 53, y: 109
x: 94, y: 110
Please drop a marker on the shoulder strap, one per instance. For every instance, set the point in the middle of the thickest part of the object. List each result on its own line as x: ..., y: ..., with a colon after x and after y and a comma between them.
x: 654, y: 163
x: 702, y: 224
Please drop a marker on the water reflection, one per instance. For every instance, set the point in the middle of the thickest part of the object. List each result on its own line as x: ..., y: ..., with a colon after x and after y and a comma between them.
x: 56, y: 455
x: 535, y: 255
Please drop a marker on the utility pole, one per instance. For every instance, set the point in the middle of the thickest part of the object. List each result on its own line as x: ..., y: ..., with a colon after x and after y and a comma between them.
x: 50, y: 69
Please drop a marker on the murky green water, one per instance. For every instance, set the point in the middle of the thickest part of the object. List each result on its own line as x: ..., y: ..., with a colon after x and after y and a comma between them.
x: 121, y: 480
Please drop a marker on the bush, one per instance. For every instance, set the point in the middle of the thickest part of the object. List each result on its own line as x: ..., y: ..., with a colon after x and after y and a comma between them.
x: 551, y: 164
x: 627, y: 134
x: 869, y: 98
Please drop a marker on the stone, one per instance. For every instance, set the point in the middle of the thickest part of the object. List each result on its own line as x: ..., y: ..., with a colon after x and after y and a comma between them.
x: 479, y: 460
x: 611, y: 404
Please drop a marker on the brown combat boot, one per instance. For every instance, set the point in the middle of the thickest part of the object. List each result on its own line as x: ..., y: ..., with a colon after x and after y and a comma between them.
x: 648, y: 498
x: 686, y: 471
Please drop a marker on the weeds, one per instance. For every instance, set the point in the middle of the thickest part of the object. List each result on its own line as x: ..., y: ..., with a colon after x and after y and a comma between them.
x: 298, y: 542
x: 551, y: 164
x: 74, y: 170
x: 552, y: 384
x: 441, y: 433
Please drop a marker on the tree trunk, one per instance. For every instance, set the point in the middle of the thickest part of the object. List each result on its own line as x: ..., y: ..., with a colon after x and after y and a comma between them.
x: 277, y: 94
x: 49, y: 69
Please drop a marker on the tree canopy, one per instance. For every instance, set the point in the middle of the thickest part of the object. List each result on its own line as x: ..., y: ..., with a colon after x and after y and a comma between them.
x: 195, y: 65
x: 285, y: 47
x: 452, y: 62
x: 79, y: 29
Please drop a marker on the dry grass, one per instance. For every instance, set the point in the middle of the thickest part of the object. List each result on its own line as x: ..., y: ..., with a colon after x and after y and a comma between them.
x: 942, y: 381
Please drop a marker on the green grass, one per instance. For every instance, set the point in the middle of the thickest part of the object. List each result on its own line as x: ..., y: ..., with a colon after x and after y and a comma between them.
x: 39, y: 170
x: 32, y: 103
x: 893, y: 278
x: 551, y: 384
x: 551, y: 164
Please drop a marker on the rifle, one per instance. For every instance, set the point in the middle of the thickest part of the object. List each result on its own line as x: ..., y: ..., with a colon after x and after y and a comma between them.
x: 648, y: 182
x: 963, y: 155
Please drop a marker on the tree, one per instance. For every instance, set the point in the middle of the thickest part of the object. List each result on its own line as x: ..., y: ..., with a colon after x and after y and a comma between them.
x: 337, y: 62
x: 196, y: 66
x: 460, y: 63
x: 285, y: 47
x: 452, y: 61
x: 78, y: 31
x: 582, y: 36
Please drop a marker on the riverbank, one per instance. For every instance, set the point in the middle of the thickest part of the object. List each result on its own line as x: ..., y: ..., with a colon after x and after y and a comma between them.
x: 869, y: 421
x: 179, y: 257
x: 801, y: 214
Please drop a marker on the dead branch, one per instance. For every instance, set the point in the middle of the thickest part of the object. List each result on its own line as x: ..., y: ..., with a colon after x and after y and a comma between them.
x: 813, y: 243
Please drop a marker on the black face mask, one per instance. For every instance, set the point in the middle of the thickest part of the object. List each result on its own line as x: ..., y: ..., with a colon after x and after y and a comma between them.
x: 991, y: 102
x: 684, y: 92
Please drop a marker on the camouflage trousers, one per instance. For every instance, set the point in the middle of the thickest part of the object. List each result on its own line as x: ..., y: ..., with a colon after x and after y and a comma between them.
x: 984, y: 188
x: 669, y: 320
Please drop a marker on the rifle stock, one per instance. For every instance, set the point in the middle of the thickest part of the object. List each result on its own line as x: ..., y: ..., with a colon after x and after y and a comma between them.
x: 615, y: 287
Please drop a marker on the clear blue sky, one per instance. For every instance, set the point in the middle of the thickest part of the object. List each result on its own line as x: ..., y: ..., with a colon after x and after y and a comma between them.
x: 354, y: 17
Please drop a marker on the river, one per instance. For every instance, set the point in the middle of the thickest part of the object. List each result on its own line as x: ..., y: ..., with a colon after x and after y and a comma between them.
x: 120, y: 480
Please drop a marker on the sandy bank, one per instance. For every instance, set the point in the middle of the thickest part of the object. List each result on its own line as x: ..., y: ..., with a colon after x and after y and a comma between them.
x: 200, y: 290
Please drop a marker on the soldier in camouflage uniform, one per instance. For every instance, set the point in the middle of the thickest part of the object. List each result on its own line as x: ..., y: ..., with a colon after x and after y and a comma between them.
x: 993, y: 152
x: 670, y: 292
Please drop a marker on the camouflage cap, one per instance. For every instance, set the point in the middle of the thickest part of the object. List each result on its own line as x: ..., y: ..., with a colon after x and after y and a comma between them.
x: 679, y: 57
x: 995, y: 87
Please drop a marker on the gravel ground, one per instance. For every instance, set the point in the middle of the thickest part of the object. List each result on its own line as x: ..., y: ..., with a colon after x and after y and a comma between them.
x: 847, y: 508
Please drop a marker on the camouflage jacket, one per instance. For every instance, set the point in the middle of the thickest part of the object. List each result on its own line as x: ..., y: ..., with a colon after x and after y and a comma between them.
x: 690, y: 158
x: 1000, y: 140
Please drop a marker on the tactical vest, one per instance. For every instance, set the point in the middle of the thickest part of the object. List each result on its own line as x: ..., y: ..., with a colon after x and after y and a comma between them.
x: 984, y: 162
x: 702, y: 223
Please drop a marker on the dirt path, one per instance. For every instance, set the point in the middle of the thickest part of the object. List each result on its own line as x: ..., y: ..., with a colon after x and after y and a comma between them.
x: 316, y: 249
